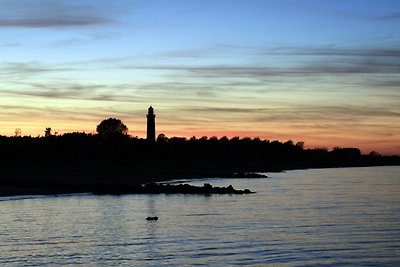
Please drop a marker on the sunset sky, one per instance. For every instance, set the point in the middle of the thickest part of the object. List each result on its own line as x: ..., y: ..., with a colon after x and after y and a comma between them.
x: 326, y: 72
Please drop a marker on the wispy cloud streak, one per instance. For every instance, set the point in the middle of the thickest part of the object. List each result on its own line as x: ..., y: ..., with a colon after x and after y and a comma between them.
x: 49, y: 14
x: 389, y: 16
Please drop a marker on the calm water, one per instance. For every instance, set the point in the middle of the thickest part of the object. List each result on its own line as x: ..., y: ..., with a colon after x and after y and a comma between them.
x: 339, y: 217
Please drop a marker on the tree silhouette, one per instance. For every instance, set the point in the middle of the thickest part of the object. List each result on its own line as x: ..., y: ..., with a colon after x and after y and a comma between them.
x: 17, y: 132
x: 111, y: 127
x: 47, y: 132
x: 161, y: 138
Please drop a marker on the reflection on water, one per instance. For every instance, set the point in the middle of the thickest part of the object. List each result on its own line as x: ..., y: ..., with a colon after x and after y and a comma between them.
x: 341, y: 217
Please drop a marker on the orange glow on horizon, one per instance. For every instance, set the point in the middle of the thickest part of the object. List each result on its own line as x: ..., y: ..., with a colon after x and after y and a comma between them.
x: 137, y: 127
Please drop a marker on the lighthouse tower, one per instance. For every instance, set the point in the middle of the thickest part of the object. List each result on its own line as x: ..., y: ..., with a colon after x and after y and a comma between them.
x: 151, y: 125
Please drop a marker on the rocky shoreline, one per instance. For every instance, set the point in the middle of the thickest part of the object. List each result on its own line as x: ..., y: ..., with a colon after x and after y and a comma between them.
x: 156, y: 185
x: 157, y: 188
x: 81, y: 163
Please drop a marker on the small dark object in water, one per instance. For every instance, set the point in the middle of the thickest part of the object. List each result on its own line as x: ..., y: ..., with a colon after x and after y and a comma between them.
x: 155, y: 218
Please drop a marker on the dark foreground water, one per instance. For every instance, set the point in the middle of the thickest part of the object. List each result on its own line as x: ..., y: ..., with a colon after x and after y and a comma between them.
x: 335, y: 217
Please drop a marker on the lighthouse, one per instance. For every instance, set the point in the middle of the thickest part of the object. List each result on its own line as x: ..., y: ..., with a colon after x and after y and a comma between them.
x: 151, y: 125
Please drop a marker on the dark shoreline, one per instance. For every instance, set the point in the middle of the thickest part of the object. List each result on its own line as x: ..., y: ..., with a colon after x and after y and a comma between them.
x: 129, y: 182
x: 47, y: 184
x: 81, y: 163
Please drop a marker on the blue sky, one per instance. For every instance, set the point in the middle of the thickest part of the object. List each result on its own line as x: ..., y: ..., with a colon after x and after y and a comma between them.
x: 324, y: 72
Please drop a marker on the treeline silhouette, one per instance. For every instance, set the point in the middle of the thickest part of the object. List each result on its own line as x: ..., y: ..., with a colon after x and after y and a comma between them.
x: 240, y: 153
x: 78, y: 161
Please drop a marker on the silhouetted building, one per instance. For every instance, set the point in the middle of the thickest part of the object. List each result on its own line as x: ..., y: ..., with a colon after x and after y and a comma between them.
x: 151, y: 125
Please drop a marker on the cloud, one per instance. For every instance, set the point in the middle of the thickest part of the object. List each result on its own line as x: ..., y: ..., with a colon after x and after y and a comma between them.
x: 300, y: 113
x: 389, y: 16
x: 67, y: 111
x: 114, y: 92
x: 9, y: 44
x: 225, y: 110
x: 65, y: 90
x: 29, y: 68
x: 334, y: 51
x: 339, y: 67
x: 49, y: 14
x: 217, y: 50
x: 21, y: 71
x: 368, y: 17
x: 212, y: 82
x: 303, y: 62
x: 48, y: 22
x: 300, y: 62
x: 395, y: 84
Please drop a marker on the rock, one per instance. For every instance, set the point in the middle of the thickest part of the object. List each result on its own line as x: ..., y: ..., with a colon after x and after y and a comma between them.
x: 207, y: 186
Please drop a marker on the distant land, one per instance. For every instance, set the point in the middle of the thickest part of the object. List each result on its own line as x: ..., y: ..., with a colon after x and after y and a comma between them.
x: 80, y: 162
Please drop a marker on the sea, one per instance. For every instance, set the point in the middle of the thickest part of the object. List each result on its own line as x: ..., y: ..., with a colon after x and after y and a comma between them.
x: 315, y: 217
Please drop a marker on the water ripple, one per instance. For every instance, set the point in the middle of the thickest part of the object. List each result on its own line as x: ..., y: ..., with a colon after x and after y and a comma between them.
x: 299, y: 218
